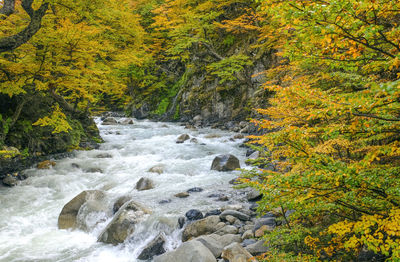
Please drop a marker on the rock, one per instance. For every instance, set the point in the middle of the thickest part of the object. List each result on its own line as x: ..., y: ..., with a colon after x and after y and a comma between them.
x: 182, y: 138
x: 10, y: 180
x: 123, y: 223
x: 212, y: 136
x: 232, y: 207
x: 216, y: 243
x: 193, y: 251
x: 104, y: 155
x: 257, y: 248
x: 253, y: 195
x: 197, y: 118
x: 248, y: 242
x: 109, y: 121
x: 182, y: 194
x: 214, y: 212
x: 261, y: 231
x: 225, y: 163
x: 234, y: 213
x: 230, y: 219
x: 247, y: 234
x: 194, y: 141
x: 154, y: 248
x: 228, y: 229
x: 223, y: 198
x: 195, y: 190
x: 200, y: 227
x: 127, y: 121
x: 157, y: 169
x: 238, y: 136
x: 165, y: 201
x: 236, y: 253
x: 254, y: 155
x: 47, y: 164
x: 120, y: 202
x: 181, y: 222
x: 68, y: 216
x: 144, y: 184
x: 194, y: 214
x: 269, y: 221
x: 75, y: 165
x: 94, y: 170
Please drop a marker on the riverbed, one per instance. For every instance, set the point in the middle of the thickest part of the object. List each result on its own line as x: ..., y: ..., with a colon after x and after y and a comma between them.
x: 29, y: 211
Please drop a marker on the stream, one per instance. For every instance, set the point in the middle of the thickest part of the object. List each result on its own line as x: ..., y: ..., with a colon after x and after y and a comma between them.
x: 29, y: 211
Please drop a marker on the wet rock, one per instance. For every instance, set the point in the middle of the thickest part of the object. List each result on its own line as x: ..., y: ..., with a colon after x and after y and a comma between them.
x: 94, y: 170
x: 212, y: 136
x: 194, y: 141
x: 181, y: 222
x: 234, y: 213
x: 216, y: 243
x: 10, y: 180
x: 236, y: 253
x: 268, y: 221
x: 120, y: 202
x: 257, y: 248
x: 109, y: 121
x: 194, y: 214
x: 182, y: 195
x: 200, y: 227
x: 154, y: 248
x: 68, y: 216
x: 165, y: 201
x: 225, y: 163
x: 75, y: 165
x: 182, y: 138
x: 123, y: 224
x: 47, y: 164
x: 238, y: 136
x: 248, y: 242
x: 144, y: 184
x: 223, y: 198
x: 214, y: 212
x: 195, y: 190
x: 157, y: 169
x: 104, y: 155
x: 127, y: 121
x: 193, y: 251
x: 253, y: 195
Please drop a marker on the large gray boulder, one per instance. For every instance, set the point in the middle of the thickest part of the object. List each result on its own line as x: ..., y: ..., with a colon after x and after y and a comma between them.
x: 90, y: 199
x: 216, y: 243
x: 225, y: 163
x: 182, y: 138
x: 257, y: 248
x: 200, y: 227
x: 153, y: 248
x: 234, y: 213
x: 144, y: 184
x: 123, y: 224
x: 236, y: 253
x: 109, y: 121
x: 191, y: 251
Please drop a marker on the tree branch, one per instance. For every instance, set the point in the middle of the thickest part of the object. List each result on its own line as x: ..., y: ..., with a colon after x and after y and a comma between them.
x: 12, y: 42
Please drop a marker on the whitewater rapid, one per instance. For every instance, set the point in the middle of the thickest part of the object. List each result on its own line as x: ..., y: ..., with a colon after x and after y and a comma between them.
x: 29, y: 211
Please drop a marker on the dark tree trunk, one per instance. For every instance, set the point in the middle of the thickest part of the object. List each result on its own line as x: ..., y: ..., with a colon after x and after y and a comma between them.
x: 11, y: 42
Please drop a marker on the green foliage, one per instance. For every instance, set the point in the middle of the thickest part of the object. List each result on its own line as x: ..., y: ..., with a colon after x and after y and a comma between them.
x: 227, y: 68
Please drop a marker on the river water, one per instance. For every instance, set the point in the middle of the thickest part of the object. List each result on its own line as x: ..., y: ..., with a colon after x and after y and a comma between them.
x: 29, y: 211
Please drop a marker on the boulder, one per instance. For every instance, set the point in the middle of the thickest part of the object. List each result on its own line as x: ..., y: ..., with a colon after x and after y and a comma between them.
x: 227, y: 229
x: 225, y: 163
x: 253, y: 195
x: 104, y: 155
x: 261, y: 231
x: 212, y: 136
x: 123, y: 224
x: 10, y: 180
x: 247, y: 235
x: 200, y: 227
x: 234, y: 213
x: 236, y: 253
x: 109, y: 121
x: 215, y: 212
x: 182, y: 138
x: 120, y: 202
x: 157, y: 169
x: 68, y: 218
x: 257, y: 248
x: 153, y: 248
x: 47, y: 164
x: 144, y: 184
x: 268, y: 221
x: 195, y: 190
x: 194, y: 214
x: 238, y: 136
x: 127, y: 121
x: 193, y: 251
x: 182, y: 195
x: 216, y: 243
